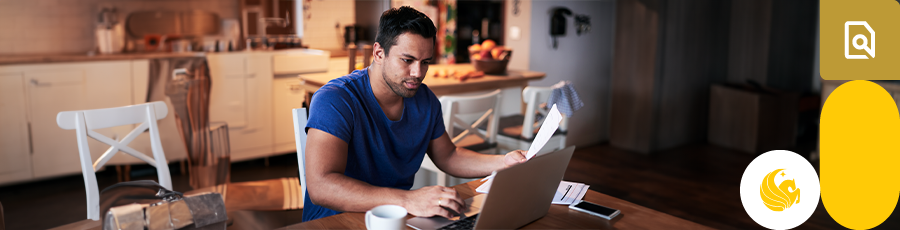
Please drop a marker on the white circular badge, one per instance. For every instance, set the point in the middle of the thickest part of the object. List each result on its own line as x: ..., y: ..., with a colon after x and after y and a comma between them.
x: 780, y: 189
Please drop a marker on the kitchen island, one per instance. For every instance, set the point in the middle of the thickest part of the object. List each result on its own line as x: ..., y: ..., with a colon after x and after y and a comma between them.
x: 440, y: 86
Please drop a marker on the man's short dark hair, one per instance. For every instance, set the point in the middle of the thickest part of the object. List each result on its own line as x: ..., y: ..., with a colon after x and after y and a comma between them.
x: 405, y: 19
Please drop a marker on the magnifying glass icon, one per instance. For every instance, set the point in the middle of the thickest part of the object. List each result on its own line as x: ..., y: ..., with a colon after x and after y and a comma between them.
x: 864, y: 45
x: 860, y: 41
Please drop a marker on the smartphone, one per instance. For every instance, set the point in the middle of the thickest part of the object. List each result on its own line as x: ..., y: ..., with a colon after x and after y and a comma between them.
x: 594, y: 209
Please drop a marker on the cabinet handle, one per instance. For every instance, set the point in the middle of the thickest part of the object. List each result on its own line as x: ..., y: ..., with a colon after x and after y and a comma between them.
x: 30, y: 138
x: 35, y: 82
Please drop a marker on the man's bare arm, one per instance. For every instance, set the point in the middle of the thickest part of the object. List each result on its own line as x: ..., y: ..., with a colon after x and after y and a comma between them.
x: 326, y: 161
x: 461, y: 162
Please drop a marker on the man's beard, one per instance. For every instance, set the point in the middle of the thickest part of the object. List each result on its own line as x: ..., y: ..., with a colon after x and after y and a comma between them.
x: 398, y: 88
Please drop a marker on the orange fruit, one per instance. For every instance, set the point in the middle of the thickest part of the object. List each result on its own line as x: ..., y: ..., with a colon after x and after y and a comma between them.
x: 495, y: 53
x: 475, y: 48
x: 488, y: 44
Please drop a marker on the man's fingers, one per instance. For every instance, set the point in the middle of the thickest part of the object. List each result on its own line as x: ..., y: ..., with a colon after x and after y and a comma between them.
x: 515, y: 157
x: 451, y: 191
x: 442, y: 212
x: 450, y: 199
x: 455, y: 204
x: 519, y: 155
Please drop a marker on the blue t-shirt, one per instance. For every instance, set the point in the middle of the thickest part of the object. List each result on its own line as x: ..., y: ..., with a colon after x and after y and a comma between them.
x: 380, y: 152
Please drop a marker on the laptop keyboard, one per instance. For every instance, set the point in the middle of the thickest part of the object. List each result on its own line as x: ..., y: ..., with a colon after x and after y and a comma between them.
x: 467, y: 223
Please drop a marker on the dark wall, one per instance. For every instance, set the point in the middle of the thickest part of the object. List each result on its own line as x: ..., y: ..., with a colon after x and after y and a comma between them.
x: 368, y: 12
x: 792, y: 45
x: 667, y: 54
x: 694, y: 56
x: 634, y: 74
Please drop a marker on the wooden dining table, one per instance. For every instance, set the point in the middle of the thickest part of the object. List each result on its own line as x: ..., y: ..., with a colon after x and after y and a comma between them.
x: 632, y: 216
x: 440, y: 86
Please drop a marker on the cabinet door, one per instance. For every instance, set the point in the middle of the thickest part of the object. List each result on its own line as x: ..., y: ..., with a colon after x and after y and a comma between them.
x: 228, y: 97
x: 286, y: 95
x: 53, y: 88
x: 109, y: 84
x: 258, y: 135
x: 50, y: 92
x: 15, y: 152
x: 241, y: 97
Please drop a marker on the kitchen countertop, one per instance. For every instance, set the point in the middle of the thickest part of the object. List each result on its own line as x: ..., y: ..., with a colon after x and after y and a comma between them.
x: 338, y: 66
x: 76, y: 57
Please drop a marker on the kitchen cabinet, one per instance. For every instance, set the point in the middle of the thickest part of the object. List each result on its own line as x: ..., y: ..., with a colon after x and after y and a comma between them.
x: 287, y: 94
x: 245, y: 94
x: 241, y: 97
x: 32, y: 96
x: 15, y: 149
x: 54, y: 88
x: 50, y: 92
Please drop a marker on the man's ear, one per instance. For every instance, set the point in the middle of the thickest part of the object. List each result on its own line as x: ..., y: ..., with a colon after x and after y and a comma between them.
x: 378, y: 52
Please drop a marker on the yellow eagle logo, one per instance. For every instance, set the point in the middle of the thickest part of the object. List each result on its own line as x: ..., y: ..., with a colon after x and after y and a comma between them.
x: 781, y: 197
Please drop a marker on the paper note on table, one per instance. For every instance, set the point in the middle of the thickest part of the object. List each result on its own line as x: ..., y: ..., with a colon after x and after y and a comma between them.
x: 569, y: 192
x: 551, y: 123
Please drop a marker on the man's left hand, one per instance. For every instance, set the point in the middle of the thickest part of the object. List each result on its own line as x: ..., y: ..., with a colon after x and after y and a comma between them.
x: 513, y: 158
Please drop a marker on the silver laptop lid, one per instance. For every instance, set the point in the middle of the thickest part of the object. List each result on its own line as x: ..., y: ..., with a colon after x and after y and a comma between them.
x: 522, y: 193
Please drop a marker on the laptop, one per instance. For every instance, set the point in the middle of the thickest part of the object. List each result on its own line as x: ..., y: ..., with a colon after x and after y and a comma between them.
x: 519, y: 195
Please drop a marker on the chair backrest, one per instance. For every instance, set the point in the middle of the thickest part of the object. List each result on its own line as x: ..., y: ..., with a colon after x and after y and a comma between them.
x: 300, y: 118
x: 485, y: 106
x: 84, y: 123
x: 534, y: 97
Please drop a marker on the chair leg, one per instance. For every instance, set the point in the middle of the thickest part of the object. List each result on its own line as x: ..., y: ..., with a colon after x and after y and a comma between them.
x: 123, y: 173
x: 119, y: 177
x: 442, y: 179
x: 2, y: 221
x: 127, y: 173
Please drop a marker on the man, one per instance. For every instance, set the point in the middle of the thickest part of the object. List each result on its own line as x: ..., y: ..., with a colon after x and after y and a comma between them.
x: 368, y: 131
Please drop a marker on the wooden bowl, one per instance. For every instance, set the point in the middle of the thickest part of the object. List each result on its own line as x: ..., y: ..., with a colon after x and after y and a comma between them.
x: 493, y: 66
x: 496, y: 67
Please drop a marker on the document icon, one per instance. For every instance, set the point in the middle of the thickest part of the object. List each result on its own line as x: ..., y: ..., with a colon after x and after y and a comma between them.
x: 860, y: 41
x: 847, y: 40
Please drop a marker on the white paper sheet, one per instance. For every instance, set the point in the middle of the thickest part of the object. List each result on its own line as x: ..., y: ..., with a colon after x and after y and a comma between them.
x: 569, y: 192
x: 484, y: 188
x: 551, y: 123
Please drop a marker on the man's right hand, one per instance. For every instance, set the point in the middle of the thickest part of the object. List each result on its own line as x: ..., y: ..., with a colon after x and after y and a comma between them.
x: 434, y: 201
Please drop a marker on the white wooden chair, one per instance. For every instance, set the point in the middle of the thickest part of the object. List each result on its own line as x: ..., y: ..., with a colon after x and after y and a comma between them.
x: 300, y: 119
x: 86, y: 121
x: 458, y: 109
x: 518, y: 131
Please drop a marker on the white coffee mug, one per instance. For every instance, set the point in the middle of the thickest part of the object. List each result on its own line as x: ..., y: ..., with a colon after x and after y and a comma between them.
x: 386, y: 217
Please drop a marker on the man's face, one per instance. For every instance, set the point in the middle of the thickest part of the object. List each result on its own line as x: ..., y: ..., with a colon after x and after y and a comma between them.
x: 405, y: 67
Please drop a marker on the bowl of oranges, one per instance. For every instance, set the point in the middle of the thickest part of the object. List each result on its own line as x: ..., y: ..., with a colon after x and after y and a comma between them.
x: 489, y: 57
